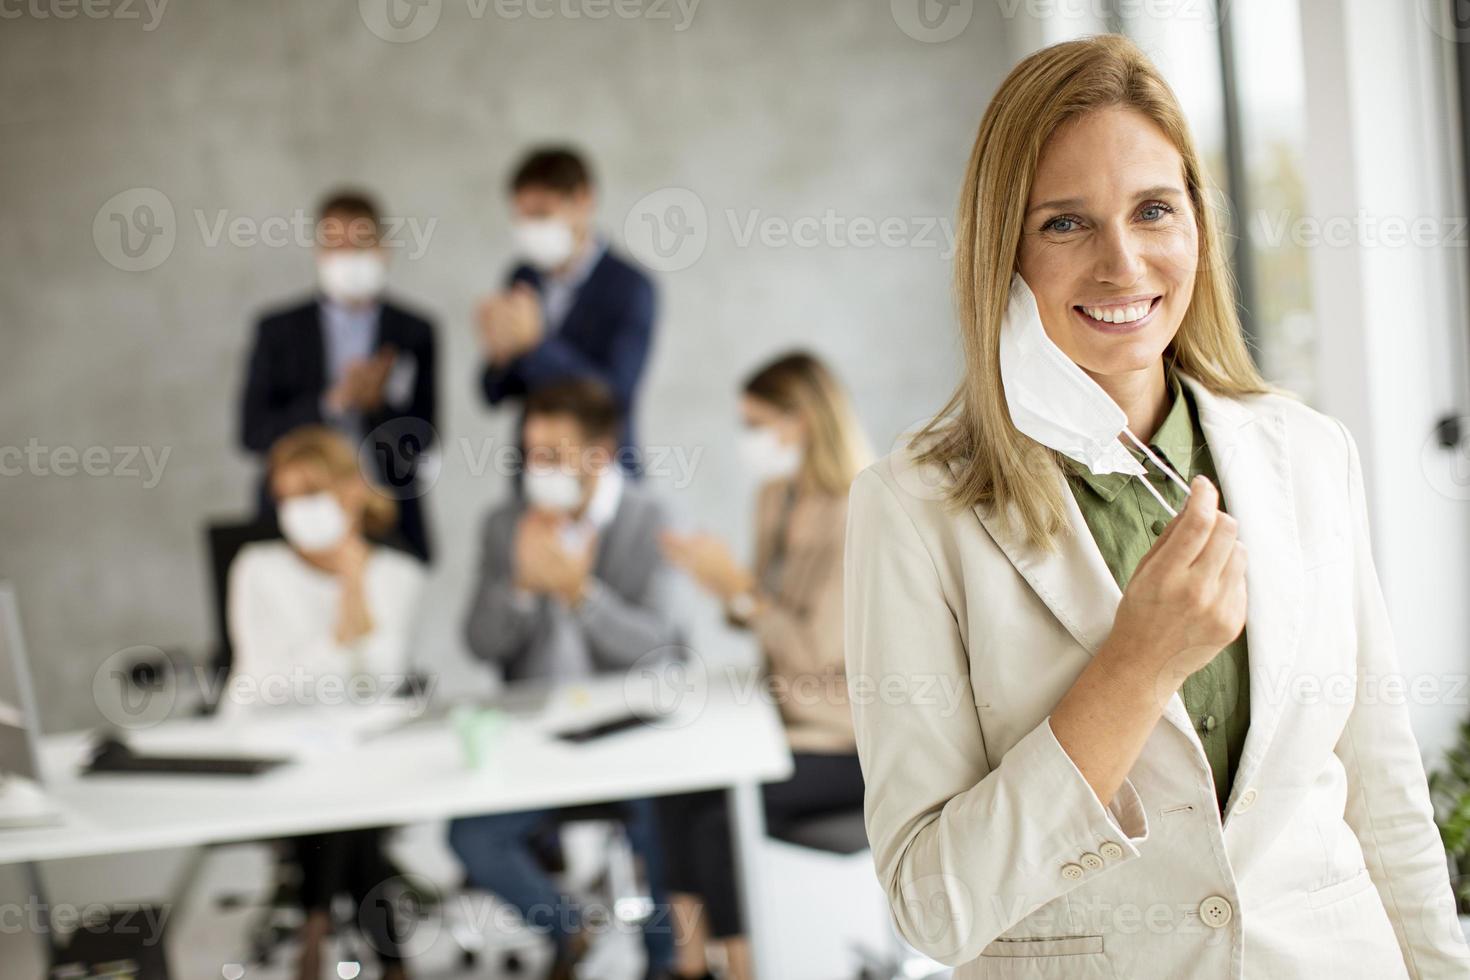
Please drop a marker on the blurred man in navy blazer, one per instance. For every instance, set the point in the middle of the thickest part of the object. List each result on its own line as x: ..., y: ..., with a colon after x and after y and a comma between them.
x: 348, y: 358
x: 572, y: 308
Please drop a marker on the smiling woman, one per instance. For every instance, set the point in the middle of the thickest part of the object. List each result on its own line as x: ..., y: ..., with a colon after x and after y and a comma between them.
x: 1124, y: 759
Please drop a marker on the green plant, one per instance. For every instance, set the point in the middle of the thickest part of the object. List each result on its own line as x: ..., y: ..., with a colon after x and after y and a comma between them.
x: 1449, y: 789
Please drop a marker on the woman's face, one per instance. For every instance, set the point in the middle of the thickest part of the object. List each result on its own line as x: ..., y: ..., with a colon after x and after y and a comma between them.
x: 757, y: 413
x: 1110, y: 245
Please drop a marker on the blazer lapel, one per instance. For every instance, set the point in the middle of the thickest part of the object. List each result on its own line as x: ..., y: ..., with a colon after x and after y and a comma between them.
x: 1251, y: 456
x: 1073, y: 581
x: 1249, y: 450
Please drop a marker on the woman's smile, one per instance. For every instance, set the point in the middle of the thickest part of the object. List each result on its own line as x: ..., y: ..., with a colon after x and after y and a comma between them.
x: 1128, y: 315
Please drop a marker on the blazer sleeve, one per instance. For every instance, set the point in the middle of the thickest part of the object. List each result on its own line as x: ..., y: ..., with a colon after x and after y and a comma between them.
x: 266, y: 412
x: 630, y: 332
x: 964, y: 849
x: 423, y: 399
x: 502, y: 620
x: 1388, y: 804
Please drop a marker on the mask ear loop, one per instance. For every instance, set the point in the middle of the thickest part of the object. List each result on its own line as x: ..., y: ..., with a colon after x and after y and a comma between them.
x: 1164, y: 468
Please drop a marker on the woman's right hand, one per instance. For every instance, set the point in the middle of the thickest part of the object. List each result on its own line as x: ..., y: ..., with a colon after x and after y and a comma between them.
x: 1186, y: 600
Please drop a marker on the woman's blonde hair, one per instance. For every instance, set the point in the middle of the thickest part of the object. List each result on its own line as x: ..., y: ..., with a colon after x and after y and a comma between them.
x: 996, y: 465
x: 802, y: 385
x: 330, y: 452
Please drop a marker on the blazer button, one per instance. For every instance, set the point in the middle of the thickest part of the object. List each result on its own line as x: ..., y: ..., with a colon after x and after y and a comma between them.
x: 1110, y: 850
x: 1091, y: 861
x: 1247, y: 800
x: 1072, y: 871
x: 1216, y: 912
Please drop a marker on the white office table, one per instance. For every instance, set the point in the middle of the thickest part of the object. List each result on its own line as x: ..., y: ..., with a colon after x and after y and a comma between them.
x: 723, y: 737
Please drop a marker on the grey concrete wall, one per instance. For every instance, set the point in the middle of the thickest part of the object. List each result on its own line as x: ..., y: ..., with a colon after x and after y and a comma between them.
x: 818, y: 146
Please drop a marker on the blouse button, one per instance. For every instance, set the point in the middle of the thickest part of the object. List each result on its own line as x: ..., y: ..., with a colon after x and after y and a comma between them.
x: 1158, y: 527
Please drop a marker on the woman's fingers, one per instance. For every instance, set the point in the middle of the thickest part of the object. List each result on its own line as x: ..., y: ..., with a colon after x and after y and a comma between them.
x: 1186, y: 534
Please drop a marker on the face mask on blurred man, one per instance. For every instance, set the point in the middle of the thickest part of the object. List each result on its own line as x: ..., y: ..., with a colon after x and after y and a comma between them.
x: 552, y: 489
x: 313, y: 522
x: 544, y: 242
x: 351, y: 275
x: 766, y: 456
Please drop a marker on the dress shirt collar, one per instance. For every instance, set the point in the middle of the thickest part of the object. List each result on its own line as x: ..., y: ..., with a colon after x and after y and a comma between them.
x: 1176, y: 440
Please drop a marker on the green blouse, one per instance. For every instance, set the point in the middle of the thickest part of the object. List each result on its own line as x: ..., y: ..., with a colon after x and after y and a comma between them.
x: 1125, y: 520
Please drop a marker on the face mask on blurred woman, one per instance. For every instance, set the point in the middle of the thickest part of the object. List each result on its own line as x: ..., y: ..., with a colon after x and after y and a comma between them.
x: 351, y: 275
x: 766, y: 456
x: 313, y: 522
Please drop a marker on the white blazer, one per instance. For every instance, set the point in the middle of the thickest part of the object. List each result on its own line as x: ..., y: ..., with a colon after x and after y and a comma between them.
x: 995, y: 852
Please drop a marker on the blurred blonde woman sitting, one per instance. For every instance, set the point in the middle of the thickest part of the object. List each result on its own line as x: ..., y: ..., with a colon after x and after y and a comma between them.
x: 325, y: 610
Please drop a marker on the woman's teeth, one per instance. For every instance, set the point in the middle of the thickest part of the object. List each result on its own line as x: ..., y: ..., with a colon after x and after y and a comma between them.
x: 1119, y: 314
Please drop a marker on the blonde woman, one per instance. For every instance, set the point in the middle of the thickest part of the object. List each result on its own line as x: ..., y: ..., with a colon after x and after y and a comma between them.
x: 325, y: 610
x: 1133, y: 790
x: 803, y: 445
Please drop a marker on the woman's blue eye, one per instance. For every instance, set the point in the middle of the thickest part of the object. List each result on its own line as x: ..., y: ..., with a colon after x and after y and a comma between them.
x: 1054, y: 223
x: 1158, y: 207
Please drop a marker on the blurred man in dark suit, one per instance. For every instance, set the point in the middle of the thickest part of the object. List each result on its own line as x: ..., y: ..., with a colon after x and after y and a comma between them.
x: 350, y: 359
x: 572, y: 308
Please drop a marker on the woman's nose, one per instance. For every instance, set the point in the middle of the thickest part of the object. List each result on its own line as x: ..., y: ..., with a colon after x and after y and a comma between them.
x: 1119, y: 258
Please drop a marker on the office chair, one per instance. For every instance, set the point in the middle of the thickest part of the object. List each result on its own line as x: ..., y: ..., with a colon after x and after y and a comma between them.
x: 279, y: 918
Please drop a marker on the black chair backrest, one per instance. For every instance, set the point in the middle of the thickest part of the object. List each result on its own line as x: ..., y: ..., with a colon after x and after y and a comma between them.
x: 225, y: 542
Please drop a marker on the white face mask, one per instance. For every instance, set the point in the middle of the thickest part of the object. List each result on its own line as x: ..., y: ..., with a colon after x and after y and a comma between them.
x: 313, y: 522
x: 351, y: 275
x: 544, y: 242
x: 552, y: 489
x: 766, y: 456
x: 1055, y: 402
